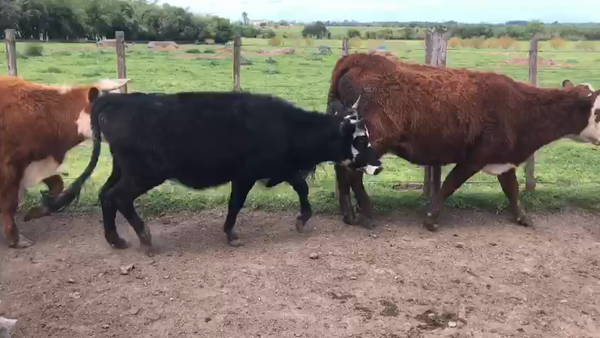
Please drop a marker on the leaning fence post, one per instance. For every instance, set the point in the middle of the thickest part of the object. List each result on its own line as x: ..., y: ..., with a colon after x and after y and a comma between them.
x: 345, y: 46
x: 237, y: 51
x: 436, y: 49
x: 530, y: 164
x: 11, y: 51
x: 121, y: 66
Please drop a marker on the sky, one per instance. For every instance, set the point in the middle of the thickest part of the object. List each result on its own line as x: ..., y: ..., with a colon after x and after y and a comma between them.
x: 468, y: 11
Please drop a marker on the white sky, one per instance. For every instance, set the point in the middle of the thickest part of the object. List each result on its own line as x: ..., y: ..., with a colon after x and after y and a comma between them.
x: 473, y: 11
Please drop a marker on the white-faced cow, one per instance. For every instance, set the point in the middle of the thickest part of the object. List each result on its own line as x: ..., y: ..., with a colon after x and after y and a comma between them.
x: 208, y: 139
x: 438, y: 116
x: 38, y: 125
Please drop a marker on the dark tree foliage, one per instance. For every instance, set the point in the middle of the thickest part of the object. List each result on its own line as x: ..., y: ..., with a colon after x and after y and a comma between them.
x: 96, y: 19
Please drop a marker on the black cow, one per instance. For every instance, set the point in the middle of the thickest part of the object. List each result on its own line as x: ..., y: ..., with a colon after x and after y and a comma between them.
x: 208, y: 139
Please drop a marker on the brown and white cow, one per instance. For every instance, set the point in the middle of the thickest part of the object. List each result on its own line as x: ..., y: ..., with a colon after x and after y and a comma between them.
x: 38, y: 125
x: 438, y: 116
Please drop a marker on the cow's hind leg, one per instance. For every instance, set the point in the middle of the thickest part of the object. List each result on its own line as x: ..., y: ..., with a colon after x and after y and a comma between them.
x: 301, y: 188
x: 510, y: 186
x: 239, y: 192
x: 457, y: 176
x: 8, y: 208
x: 345, y: 200
x: 55, y: 186
x: 109, y: 210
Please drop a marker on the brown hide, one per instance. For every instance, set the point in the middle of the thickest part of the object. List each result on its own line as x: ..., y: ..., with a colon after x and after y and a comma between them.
x: 438, y: 116
x: 36, y: 122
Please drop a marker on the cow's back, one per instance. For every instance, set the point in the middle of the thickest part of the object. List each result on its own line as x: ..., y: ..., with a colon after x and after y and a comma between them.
x: 200, y: 139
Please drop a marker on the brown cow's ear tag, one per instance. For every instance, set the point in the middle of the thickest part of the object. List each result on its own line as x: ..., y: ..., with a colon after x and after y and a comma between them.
x: 93, y: 94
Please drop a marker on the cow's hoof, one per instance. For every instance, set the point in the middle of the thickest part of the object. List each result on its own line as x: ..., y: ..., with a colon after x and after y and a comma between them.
x: 236, y: 243
x: 36, y: 212
x: 525, y: 221
x: 349, y: 219
x: 431, y: 226
x: 146, y: 238
x: 119, y: 244
x: 22, y: 243
x: 234, y: 240
x: 301, y: 226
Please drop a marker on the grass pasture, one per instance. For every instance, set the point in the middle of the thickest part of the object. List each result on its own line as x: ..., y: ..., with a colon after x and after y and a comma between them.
x: 566, y: 171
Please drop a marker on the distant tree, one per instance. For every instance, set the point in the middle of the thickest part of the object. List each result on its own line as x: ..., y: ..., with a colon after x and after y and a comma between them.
x: 317, y: 29
x: 353, y: 32
x: 245, y: 18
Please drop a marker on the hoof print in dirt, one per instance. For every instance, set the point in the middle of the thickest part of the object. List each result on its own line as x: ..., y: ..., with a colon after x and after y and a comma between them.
x: 343, y: 297
x: 432, y: 320
x: 365, y: 312
x: 390, y: 309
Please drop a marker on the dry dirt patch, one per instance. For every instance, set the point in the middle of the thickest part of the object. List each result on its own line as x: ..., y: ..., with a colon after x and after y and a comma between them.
x: 479, y: 276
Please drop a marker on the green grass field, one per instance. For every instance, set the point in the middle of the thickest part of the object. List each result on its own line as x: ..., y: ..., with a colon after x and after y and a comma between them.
x: 566, y: 171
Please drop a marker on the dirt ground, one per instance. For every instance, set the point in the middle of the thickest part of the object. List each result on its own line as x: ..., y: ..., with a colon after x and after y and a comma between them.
x: 480, y: 276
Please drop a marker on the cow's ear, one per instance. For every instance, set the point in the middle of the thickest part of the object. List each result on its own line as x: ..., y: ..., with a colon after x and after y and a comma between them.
x: 93, y: 94
x: 567, y: 84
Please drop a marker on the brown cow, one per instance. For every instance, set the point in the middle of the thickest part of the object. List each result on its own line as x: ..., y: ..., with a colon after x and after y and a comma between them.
x: 38, y: 125
x: 477, y: 120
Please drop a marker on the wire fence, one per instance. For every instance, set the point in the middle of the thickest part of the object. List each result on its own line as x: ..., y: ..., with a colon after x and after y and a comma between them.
x: 552, y: 66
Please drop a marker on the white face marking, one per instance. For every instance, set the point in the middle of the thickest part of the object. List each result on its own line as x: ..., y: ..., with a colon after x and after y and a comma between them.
x: 84, y: 125
x: 591, y: 133
x: 498, y: 169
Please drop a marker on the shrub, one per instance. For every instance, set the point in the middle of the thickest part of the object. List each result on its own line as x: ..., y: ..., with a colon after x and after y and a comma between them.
x: 491, y: 43
x: 268, y: 34
x: 193, y: 51
x: 478, y: 42
x: 557, y: 43
x: 506, y: 42
x: 454, y: 42
x: 586, y: 46
x: 34, y: 50
x: 355, y: 43
x: 308, y: 41
x: 274, y: 41
x: 209, y: 51
x: 353, y: 32
x: 466, y: 43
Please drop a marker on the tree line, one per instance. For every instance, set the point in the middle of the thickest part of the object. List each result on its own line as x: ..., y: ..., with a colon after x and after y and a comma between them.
x: 97, y: 19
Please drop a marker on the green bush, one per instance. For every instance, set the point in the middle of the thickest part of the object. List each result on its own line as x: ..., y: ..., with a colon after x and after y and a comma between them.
x: 33, y: 50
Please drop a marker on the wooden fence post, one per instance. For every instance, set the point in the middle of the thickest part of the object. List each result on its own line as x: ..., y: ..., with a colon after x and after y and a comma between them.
x: 436, y: 48
x: 530, y: 164
x: 237, y: 51
x: 121, y: 66
x: 345, y: 46
x: 11, y: 51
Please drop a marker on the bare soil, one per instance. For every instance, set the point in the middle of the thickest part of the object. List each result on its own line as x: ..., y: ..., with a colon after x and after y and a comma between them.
x: 479, y: 276
x: 541, y: 62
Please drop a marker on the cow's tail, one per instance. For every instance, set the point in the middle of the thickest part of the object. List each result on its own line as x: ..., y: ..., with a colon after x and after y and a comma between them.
x: 66, y: 197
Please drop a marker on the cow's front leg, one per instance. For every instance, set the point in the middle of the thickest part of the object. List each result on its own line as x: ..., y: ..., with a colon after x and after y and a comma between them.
x: 55, y: 186
x: 510, y: 186
x: 363, y: 202
x: 345, y: 201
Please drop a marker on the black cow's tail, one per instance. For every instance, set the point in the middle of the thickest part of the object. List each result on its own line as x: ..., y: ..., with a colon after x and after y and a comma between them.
x: 67, y: 196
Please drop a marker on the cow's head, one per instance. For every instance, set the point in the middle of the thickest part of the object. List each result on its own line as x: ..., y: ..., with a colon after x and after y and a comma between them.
x: 93, y: 92
x: 360, y: 155
x: 591, y: 133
